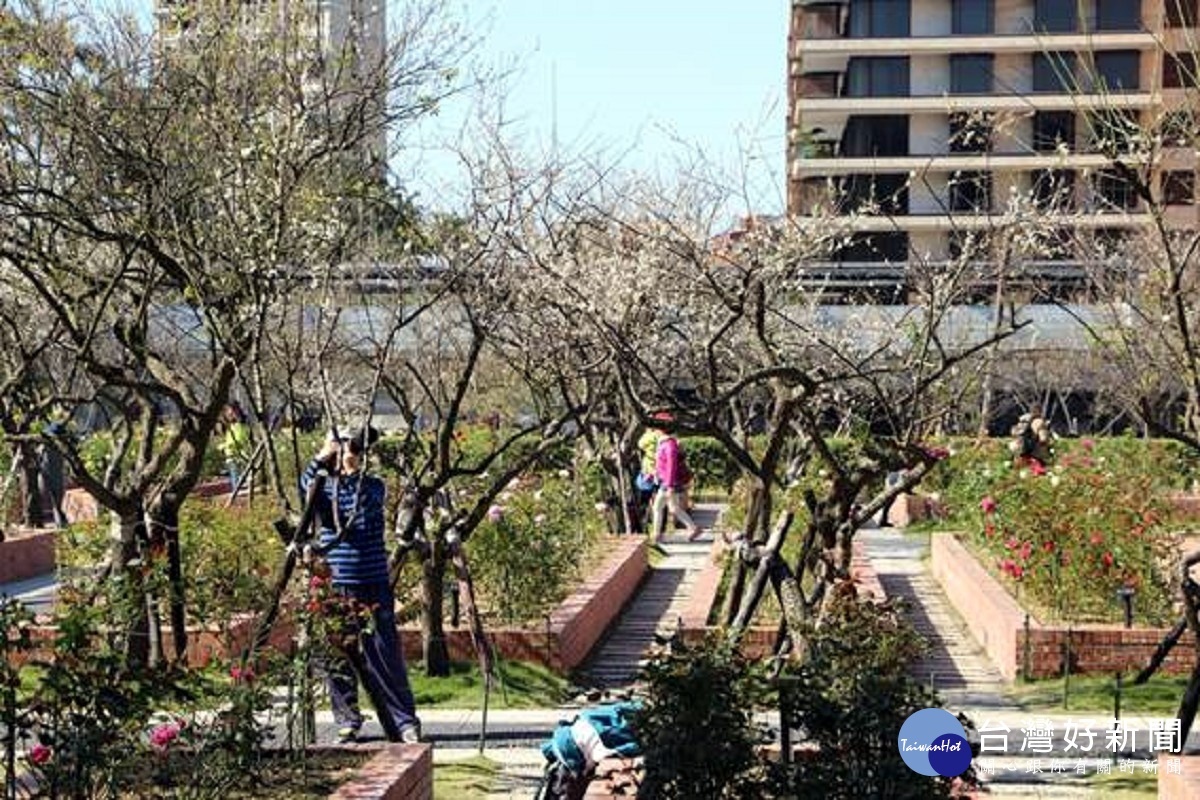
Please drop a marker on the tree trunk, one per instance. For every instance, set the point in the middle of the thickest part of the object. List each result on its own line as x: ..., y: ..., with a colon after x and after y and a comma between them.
x: 433, y: 633
x: 754, y: 531
x: 31, y: 495
x: 164, y: 529
x: 127, y: 532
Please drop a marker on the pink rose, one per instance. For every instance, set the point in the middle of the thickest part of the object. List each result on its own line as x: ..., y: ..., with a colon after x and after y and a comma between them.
x: 242, y: 674
x: 495, y: 513
x: 988, y: 505
x: 39, y: 754
x: 162, y: 735
x: 1087, y: 444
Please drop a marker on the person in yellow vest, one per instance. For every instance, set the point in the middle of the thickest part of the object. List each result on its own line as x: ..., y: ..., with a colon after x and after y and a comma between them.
x: 235, y: 444
x: 646, y: 482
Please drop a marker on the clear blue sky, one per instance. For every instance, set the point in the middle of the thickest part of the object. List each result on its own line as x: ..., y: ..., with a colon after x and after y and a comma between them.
x: 645, y: 80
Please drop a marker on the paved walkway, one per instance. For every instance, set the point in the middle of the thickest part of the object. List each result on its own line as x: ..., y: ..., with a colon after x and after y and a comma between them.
x: 36, y: 593
x: 956, y: 666
x: 657, y: 607
x: 969, y: 683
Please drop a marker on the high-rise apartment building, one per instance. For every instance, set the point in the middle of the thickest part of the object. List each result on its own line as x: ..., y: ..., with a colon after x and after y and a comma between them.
x: 347, y: 37
x: 933, y: 115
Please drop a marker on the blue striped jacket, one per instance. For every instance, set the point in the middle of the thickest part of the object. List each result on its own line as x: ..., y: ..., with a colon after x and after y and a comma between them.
x: 362, y: 557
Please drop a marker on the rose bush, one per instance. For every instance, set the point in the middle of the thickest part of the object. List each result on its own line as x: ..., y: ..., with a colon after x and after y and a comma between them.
x: 532, y: 547
x: 1066, y: 538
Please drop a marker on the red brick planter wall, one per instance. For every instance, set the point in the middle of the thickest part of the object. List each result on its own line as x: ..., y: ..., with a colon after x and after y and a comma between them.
x: 396, y: 772
x: 758, y: 641
x: 998, y: 623
x: 79, y: 506
x: 26, y: 553
x: 572, y: 629
x: 907, y: 509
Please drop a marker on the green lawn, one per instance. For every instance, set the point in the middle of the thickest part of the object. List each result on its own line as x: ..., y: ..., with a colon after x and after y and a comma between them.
x: 470, y: 779
x: 520, y: 685
x: 1124, y: 786
x: 1158, y: 696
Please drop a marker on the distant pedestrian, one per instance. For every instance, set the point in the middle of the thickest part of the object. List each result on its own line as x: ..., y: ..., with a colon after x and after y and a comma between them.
x: 670, y: 474
x: 235, y: 444
x: 647, y: 483
x: 52, y: 476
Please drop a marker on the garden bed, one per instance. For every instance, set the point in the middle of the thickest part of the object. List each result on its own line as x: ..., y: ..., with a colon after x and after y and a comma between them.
x: 26, y: 553
x: 80, y: 506
x: 395, y: 772
x: 758, y: 640
x: 1183, y: 785
x: 572, y: 629
x: 998, y: 623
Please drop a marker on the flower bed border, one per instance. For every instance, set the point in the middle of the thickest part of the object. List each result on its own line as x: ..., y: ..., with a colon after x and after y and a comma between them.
x: 395, y: 772
x: 572, y: 629
x: 27, y: 553
x: 997, y: 622
x: 1183, y: 786
x: 758, y: 641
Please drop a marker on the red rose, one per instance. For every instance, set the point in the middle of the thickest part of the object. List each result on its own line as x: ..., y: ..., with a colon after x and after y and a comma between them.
x: 39, y: 754
x: 1107, y: 559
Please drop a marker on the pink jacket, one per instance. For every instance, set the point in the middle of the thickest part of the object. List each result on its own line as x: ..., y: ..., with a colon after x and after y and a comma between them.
x: 666, y: 463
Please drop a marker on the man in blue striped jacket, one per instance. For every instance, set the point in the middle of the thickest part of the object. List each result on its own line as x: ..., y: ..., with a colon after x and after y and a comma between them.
x: 353, y: 543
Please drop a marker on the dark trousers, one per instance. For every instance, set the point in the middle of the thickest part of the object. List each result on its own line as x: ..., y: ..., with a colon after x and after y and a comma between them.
x: 382, y: 665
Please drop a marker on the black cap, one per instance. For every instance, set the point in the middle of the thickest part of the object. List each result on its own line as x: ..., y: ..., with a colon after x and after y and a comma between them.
x: 365, y: 438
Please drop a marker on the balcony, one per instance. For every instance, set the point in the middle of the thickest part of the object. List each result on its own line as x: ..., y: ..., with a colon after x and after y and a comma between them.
x: 918, y: 223
x: 949, y: 104
x: 837, y: 44
x: 825, y: 159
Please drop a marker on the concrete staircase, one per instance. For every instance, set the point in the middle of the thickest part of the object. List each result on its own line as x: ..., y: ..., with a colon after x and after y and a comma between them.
x: 955, y: 665
x: 657, y: 606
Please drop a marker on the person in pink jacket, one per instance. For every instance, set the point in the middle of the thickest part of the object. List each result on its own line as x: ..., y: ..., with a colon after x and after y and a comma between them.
x: 669, y: 472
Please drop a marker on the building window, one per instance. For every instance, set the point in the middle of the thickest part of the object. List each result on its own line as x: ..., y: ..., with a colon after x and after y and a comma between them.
x: 1054, y: 72
x: 1179, y: 71
x: 1119, y: 15
x: 867, y: 136
x: 1054, y: 16
x: 970, y: 133
x: 877, y: 77
x: 1112, y: 191
x: 971, y: 74
x: 1054, y: 189
x: 1181, y: 13
x: 973, y: 16
x: 872, y: 18
x: 1178, y: 128
x: 1179, y: 188
x: 1052, y: 128
x: 880, y: 193
x: 875, y: 247
x: 1113, y: 130
x: 971, y: 192
x: 1118, y: 69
